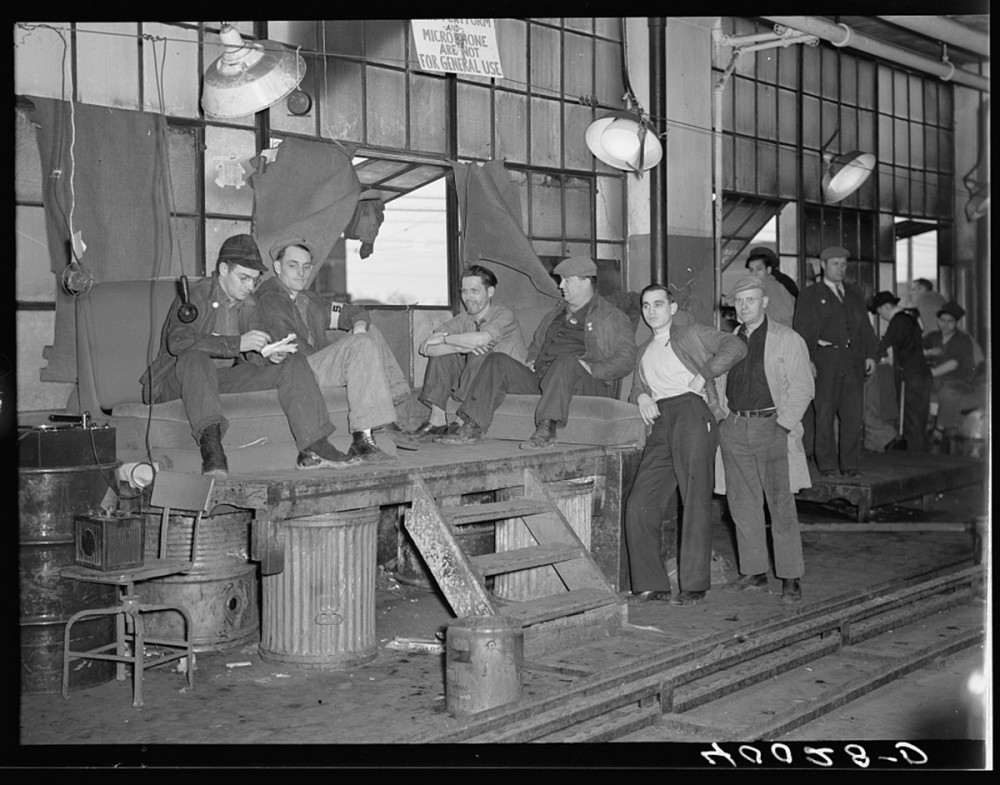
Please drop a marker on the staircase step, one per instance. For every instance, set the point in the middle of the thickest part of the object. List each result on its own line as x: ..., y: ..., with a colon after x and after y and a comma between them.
x: 557, y: 605
x: 494, y: 511
x: 525, y: 558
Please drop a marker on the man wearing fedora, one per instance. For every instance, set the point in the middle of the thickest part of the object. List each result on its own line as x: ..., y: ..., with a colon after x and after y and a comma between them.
x: 832, y: 318
x: 581, y: 347
x: 766, y: 393
x: 913, y: 377
x: 362, y: 361
x: 220, y: 352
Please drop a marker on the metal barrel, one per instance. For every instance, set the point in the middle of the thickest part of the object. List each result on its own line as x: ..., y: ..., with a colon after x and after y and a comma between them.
x: 575, y: 499
x: 319, y: 612
x: 48, y: 501
x: 483, y: 660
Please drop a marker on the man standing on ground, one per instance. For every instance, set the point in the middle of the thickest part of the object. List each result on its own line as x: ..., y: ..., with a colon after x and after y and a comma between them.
x: 457, y: 348
x: 362, y: 362
x: 219, y: 352
x: 766, y: 392
x: 832, y: 317
x: 674, y: 387
x: 780, y: 291
x: 581, y: 347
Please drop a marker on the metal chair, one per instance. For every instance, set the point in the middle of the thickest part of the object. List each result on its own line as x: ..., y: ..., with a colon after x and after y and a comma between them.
x: 171, y: 491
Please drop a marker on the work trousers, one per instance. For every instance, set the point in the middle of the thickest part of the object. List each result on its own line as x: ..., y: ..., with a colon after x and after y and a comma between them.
x: 916, y: 395
x: 449, y: 376
x: 557, y: 384
x: 755, y: 459
x: 878, y: 430
x: 357, y: 362
x: 198, y: 383
x: 840, y: 389
x: 679, y: 456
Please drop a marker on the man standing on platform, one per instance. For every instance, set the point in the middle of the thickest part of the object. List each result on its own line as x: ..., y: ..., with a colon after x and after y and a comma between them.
x: 832, y: 317
x: 766, y: 392
x: 581, y: 347
x: 674, y: 387
x: 457, y: 348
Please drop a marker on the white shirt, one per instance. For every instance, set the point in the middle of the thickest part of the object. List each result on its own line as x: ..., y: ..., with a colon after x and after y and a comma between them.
x: 665, y: 373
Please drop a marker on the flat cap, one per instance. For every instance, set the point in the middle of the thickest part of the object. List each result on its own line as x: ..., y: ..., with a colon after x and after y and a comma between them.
x: 882, y: 298
x: 746, y: 283
x: 763, y: 252
x: 284, y: 242
x: 952, y: 309
x: 241, y: 249
x: 576, y: 265
x: 834, y: 252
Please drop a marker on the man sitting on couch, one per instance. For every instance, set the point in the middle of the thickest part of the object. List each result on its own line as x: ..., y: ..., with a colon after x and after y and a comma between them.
x: 219, y: 351
x: 361, y: 362
x: 581, y: 347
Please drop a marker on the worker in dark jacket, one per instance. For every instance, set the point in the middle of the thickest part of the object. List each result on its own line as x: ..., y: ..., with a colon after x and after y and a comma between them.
x: 222, y: 351
x: 675, y: 389
x: 832, y: 317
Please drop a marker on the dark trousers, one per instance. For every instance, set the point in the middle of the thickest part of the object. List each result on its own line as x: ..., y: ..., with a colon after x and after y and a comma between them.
x: 449, y: 376
x: 679, y: 456
x: 916, y: 409
x: 198, y: 383
x: 557, y: 385
x: 840, y: 388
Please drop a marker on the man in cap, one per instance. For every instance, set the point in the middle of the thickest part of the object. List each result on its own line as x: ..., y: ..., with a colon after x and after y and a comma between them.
x: 952, y: 355
x: 762, y: 263
x: 220, y: 352
x: 832, y: 317
x: 457, y: 348
x: 766, y: 394
x: 362, y: 361
x: 675, y: 390
x: 927, y: 302
x: 903, y: 340
x: 581, y: 347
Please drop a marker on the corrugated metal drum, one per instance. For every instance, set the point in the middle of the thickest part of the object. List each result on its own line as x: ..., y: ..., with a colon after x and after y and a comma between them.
x: 48, y: 500
x: 483, y: 660
x: 319, y: 612
x: 575, y: 499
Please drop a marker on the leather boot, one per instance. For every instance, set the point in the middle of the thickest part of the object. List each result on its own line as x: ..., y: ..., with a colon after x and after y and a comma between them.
x: 213, y: 457
x: 543, y: 437
x: 363, y: 446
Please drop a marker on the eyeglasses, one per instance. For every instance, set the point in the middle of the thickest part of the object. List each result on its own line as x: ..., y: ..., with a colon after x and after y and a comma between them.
x: 746, y: 300
x: 251, y: 280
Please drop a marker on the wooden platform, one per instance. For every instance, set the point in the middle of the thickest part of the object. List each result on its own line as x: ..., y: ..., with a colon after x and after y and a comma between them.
x: 891, y: 477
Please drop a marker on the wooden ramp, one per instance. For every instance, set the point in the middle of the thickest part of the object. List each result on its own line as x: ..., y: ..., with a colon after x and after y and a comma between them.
x: 586, y: 608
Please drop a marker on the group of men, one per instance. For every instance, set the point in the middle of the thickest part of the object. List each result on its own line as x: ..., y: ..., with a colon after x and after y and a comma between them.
x: 696, y: 388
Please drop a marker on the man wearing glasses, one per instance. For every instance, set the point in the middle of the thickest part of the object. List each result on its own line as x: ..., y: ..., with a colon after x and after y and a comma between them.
x: 219, y: 351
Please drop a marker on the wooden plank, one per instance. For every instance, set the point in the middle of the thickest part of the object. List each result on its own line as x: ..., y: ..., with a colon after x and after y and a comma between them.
x: 556, y: 605
x: 571, y: 632
x: 524, y: 558
x: 492, y: 511
x: 854, y: 528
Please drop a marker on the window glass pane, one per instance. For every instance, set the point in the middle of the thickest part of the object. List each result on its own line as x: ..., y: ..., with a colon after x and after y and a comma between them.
x: 810, y: 69
x: 546, y: 206
x: 901, y: 190
x: 866, y: 84
x: 283, y: 120
x: 788, y: 162
x: 227, y: 151
x: 577, y: 154
x: 848, y: 128
x: 184, y: 240
x: 610, y: 208
x: 43, y: 61
x: 931, y: 149
x: 788, y: 116
x: 885, y: 188
x: 27, y: 163
x: 767, y: 112
x: 385, y: 118
x: 344, y: 37
x: 788, y: 66
x: 916, y: 192
x: 916, y: 97
x: 512, y: 127
x: 885, y: 89
x: 546, y: 133
x: 170, y: 67
x: 512, y: 44
x: 916, y: 145
x: 608, y: 27
x: 746, y: 164
x: 610, y: 86
x: 545, y: 59
x: 385, y: 40
x: 848, y: 79
x: 885, y: 139
x: 34, y: 279
x: 866, y: 131
x: 577, y: 192
x: 810, y: 123
x: 767, y: 169
x: 745, y: 105
x: 183, y: 143
x: 107, y: 64
x: 578, y: 59
x: 831, y: 72
x: 900, y: 94
x: 767, y: 66
x: 428, y: 113
x: 901, y: 138
x: 217, y: 231
x: 930, y: 101
x: 585, y: 23
x: 340, y: 110
x: 473, y: 121
x: 409, y: 264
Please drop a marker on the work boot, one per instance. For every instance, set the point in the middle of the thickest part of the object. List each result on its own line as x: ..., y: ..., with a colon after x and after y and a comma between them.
x: 213, y: 457
x: 426, y: 432
x: 543, y: 437
x: 687, y: 598
x: 323, y: 455
x: 467, y: 433
x: 363, y: 446
x: 747, y: 583
x: 791, y: 591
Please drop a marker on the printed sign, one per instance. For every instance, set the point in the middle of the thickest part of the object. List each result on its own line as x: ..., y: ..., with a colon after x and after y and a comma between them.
x: 458, y: 46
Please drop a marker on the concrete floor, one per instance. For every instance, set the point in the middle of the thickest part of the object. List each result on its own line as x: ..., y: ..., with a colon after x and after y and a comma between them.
x: 265, y: 714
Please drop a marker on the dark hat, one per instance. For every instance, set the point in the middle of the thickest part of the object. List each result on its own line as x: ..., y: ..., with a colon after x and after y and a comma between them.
x: 881, y: 299
x: 745, y: 283
x: 763, y: 252
x: 952, y: 309
x: 576, y: 265
x: 283, y: 243
x: 834, y: 252
x: 241, y: 249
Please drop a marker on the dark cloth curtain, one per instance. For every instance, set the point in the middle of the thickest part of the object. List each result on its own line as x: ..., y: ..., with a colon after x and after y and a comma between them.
x: 118, y: 195
x: 490, y: 215
x: 309, y: 192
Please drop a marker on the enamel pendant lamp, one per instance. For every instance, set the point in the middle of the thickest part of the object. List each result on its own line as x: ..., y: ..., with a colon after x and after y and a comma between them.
x: 845, y: 174
x: 622, y: 142
x: 249, y: 76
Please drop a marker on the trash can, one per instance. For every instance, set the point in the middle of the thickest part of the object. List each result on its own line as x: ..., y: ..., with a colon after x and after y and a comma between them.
x: 483, y: 660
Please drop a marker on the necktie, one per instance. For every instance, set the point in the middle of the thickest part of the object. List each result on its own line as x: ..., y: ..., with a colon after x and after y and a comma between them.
x: 840, y: 292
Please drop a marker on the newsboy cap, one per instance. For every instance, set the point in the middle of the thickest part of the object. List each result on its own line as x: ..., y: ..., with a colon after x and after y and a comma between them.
x: 241, y: 249
x: 282, y: 244
x: 763, y: 252
x: 882, y: 298
x: 952, y: 309
x: 745, y: 283
x: 576, y: 265
x: 834, y: 252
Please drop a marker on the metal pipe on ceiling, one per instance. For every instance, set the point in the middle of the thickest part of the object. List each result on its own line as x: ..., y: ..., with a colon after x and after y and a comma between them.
x: 842, y: 35
x: 946, y: 30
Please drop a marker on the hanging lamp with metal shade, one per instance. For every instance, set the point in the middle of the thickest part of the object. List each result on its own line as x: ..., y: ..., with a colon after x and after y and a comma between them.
x: 249, y: 76
x: 845, y: 173
x: 626, y: 141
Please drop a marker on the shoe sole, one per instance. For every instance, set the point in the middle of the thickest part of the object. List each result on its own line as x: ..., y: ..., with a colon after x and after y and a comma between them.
x: 325, y: 464
x: 535, y: 446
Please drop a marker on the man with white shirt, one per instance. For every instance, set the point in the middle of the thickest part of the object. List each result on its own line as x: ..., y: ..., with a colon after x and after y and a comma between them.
x: 832, y: 317
x: 674, y: 387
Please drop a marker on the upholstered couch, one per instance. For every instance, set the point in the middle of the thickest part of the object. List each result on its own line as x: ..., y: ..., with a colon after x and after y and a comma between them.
x: 118, y: 330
